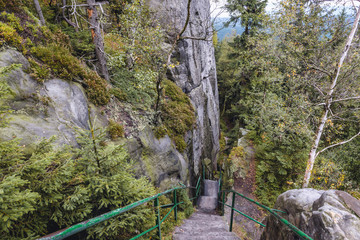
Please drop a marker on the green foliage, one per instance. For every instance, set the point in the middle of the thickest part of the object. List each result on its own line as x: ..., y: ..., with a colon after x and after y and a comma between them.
x: 177, y: 114
x: 115, y: 130
x: 184, y: 211
x: 134, y: 52
x: 38, y: 71
x: 68, y: 67
x: 10, y: 36
x: 135, y: 86
x: 81, y: 43
x: 250, y: 13
x: 272, y: 83
x: 54, y: 188
x: 11, y: 20
x: 118, y: 93
x: 5, y: 92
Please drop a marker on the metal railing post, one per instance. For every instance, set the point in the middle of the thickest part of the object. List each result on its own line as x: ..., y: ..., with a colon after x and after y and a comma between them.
x: 223, y: 204
x: 157, y: 213
x: 175, y: 204
x: 232, y: 212
x: 203, y: 167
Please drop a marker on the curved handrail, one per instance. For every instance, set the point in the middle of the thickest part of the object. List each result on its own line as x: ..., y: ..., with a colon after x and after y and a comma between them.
x: 67, y: 232
x: 293, y: 228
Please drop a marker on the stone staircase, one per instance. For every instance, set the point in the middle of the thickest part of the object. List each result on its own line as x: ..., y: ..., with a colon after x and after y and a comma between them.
x: 205, y: 224
x: 208, y: 201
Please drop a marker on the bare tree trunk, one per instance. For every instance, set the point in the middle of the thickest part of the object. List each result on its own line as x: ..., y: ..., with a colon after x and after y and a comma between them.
x: 313, y: 153
x: 97, y: 39
x: 39, y: 11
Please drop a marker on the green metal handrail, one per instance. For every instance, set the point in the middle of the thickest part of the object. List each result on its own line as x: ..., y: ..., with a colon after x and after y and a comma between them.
x: 297, y: 231
x: 67, y: 232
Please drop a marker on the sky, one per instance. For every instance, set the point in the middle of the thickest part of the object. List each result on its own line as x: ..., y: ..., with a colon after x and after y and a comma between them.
x: 216, y: 6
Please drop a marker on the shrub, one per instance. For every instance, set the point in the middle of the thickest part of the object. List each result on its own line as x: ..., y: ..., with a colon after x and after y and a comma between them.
x: 68, y: 67
x: 9, y: 35
x: 115, y: 130
x: 57, y: 187
x: 40, y: 72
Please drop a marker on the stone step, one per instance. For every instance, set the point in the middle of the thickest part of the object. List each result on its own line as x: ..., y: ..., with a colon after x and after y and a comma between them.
x: 205, y: 216
x: 211, y: 188
x: 201, y: 230
x: 207, y: 203
x: 210, y: 236
x: 204, y: 226
x: 207, y: 223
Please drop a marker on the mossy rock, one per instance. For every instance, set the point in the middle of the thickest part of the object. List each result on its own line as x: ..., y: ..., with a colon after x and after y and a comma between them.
x: 178, y: 114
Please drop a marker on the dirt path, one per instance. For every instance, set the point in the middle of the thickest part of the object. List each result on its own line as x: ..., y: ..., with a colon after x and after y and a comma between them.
x: 245, y: 228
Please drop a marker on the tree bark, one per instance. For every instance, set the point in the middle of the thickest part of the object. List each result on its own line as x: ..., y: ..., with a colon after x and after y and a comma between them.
x: 39, y: 11
x: 330, y: 93
x: 97, y: 39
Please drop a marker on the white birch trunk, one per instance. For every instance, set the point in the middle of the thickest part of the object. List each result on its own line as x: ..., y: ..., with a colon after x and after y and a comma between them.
x: 320, y: 129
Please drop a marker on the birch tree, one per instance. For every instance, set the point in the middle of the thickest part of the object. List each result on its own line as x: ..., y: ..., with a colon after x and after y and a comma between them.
x: 314, y: 152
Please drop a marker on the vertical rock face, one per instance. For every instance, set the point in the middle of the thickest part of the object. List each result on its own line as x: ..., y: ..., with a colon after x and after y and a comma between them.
x: 195, y: 71
x: 322, y: 215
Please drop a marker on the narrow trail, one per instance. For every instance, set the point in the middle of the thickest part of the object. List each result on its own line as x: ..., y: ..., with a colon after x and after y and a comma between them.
x: 245, y: 228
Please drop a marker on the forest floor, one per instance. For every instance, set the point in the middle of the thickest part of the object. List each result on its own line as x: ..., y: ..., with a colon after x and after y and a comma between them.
x: 244, y: 227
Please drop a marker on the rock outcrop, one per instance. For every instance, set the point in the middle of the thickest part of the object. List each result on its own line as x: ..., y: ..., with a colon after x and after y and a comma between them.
x: 322, y: 215
x: 195, y: 72
x: 56, y: 107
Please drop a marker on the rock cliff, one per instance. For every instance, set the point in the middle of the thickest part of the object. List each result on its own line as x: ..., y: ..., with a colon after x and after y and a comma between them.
x: 195, y: 72
x: 323, y: 215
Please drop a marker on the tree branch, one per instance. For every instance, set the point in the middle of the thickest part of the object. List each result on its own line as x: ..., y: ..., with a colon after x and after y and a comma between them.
x: 66, y: 19
x: 83, y: 5
x: 338, y: 144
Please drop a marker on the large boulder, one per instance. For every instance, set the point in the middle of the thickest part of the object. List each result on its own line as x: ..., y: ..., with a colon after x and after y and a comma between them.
x: 54, y: 108
x: 322, y: 215
x: 158, y: 159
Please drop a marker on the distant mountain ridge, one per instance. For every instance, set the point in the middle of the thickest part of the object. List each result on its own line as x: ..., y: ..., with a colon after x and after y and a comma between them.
x: 222, y: 31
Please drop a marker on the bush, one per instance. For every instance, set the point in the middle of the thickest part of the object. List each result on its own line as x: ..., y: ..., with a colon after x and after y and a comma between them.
x: 115, y: 130
x: 68, y: 67
x: 55, y: 188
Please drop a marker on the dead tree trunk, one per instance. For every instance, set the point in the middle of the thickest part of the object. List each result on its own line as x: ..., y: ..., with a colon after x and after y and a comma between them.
x: 97, y: 39
x: 39, y: 11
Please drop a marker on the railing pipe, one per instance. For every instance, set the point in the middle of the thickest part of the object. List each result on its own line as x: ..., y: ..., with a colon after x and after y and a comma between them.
x: 232, y: 211
x: 203, y: 168
x: 223, y: 204
x: 175, y: 204
x: 67, y: 232
x: 252, y: 219
x: 157, y: 213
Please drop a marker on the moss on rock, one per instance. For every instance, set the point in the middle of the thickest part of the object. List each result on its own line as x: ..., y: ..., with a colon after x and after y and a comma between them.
x: 177, y: 114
